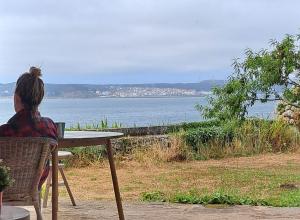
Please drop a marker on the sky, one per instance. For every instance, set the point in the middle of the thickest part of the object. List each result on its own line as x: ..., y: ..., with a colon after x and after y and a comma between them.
x: 136, y: 41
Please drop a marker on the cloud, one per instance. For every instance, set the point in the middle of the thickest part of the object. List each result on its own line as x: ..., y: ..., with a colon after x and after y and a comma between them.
x: 97, y: 38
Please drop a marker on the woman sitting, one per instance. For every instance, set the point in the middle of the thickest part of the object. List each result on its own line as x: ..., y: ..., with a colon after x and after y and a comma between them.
x: 27, y: 122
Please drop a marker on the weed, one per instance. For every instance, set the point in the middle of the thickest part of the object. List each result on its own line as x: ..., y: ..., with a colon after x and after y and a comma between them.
x: 153, y: 197
x: 214, y: 198
x: 103, y: 124
x: 84, y: 156
x: 176, y: 150
x: 251, y: 137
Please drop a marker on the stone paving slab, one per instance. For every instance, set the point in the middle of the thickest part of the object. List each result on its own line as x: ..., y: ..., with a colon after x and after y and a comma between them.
x: 162, y: 211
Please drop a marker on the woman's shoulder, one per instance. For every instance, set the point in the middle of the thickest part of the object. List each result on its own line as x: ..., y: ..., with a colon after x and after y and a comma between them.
x: 49, y: 127
x: 48, y: 120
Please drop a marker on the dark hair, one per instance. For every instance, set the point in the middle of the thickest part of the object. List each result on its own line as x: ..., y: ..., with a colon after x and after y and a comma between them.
x: 30, y: 89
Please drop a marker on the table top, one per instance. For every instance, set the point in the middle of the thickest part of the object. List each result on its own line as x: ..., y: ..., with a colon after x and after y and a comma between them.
x: 14, y: 213
x: 90, y: 134
x: 86, y: 138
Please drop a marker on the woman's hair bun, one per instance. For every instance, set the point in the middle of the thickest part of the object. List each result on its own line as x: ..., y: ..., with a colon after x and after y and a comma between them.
x: 35, y: 71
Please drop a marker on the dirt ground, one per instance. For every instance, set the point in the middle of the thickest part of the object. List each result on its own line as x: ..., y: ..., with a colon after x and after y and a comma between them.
x: 135, y: 178
x: 156, y: 211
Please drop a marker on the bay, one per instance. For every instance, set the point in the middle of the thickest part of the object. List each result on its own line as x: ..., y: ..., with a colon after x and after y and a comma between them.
x: 127, y: 111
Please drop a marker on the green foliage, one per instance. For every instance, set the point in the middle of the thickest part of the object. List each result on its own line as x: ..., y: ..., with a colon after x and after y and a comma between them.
x: 116, y: 125
x: 218, y: 198
x: 261, y: 136
x: 193, y: 125
x: 241, y: 138
x: 208, y: 140
x: 218, y: 132
x: 5, y: 179
x: 231, y: 184
x: 84, y: 156
x: 103, y: 124
x: 203, y: 135
x: 153, y: 197
x: 258, y: 78
x: 228, y: 102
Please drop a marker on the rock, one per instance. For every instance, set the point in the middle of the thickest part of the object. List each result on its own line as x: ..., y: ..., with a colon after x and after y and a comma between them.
x: 286, y: 114
x: 289, y: 113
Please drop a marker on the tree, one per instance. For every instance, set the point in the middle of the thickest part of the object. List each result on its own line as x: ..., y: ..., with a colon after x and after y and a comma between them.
x: 267, y: 75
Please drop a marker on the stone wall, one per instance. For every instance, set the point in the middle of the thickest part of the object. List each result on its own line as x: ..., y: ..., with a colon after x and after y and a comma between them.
x: 141, y: 137
x: 289, y: 114
x: 126, y: 144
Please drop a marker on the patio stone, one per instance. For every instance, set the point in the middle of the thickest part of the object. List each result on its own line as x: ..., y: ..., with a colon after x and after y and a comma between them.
x: 163, y: 211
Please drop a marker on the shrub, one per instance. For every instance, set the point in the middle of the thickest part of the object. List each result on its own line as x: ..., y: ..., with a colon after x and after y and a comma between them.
x: 5, y: 179
x: 176, y: 150
x: 260, y: 136
x: 249, y: 137
x: 193, y: 125
x: 203, y: 135
x: 84, y: 156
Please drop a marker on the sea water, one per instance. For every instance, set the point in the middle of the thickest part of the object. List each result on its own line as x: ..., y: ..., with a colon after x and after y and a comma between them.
x: 127, y: 111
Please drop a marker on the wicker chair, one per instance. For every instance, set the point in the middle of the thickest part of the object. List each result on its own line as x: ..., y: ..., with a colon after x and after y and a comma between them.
x: 26, y: 157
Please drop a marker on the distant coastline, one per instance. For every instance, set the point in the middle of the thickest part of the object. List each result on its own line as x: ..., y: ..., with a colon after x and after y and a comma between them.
x: 158, y: 90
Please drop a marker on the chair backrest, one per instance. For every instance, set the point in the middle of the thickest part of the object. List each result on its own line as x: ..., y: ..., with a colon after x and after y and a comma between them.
x: 26, y: 158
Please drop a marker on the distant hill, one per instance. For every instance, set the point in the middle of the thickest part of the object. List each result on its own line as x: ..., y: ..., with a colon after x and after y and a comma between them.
x: 122, y: 90
x: 7, y: 89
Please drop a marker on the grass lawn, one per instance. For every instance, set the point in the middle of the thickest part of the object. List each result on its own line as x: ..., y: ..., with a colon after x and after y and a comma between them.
x: 252, y: 180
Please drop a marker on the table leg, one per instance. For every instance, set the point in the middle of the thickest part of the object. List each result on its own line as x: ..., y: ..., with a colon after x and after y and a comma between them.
x: 54, y: 183
x: 115, y: 180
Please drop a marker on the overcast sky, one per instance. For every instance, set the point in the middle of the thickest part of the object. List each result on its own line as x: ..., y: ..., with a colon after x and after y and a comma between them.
x: 136, y: 41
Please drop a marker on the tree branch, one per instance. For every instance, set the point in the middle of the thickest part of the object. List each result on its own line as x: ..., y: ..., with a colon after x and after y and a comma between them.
x: 294, y: 83
x: 291, y: 104
x: 269, y: 100
x: 279, y: 99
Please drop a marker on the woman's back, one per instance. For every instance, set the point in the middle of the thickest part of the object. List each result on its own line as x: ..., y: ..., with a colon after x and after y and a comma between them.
x: 21, y: 125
